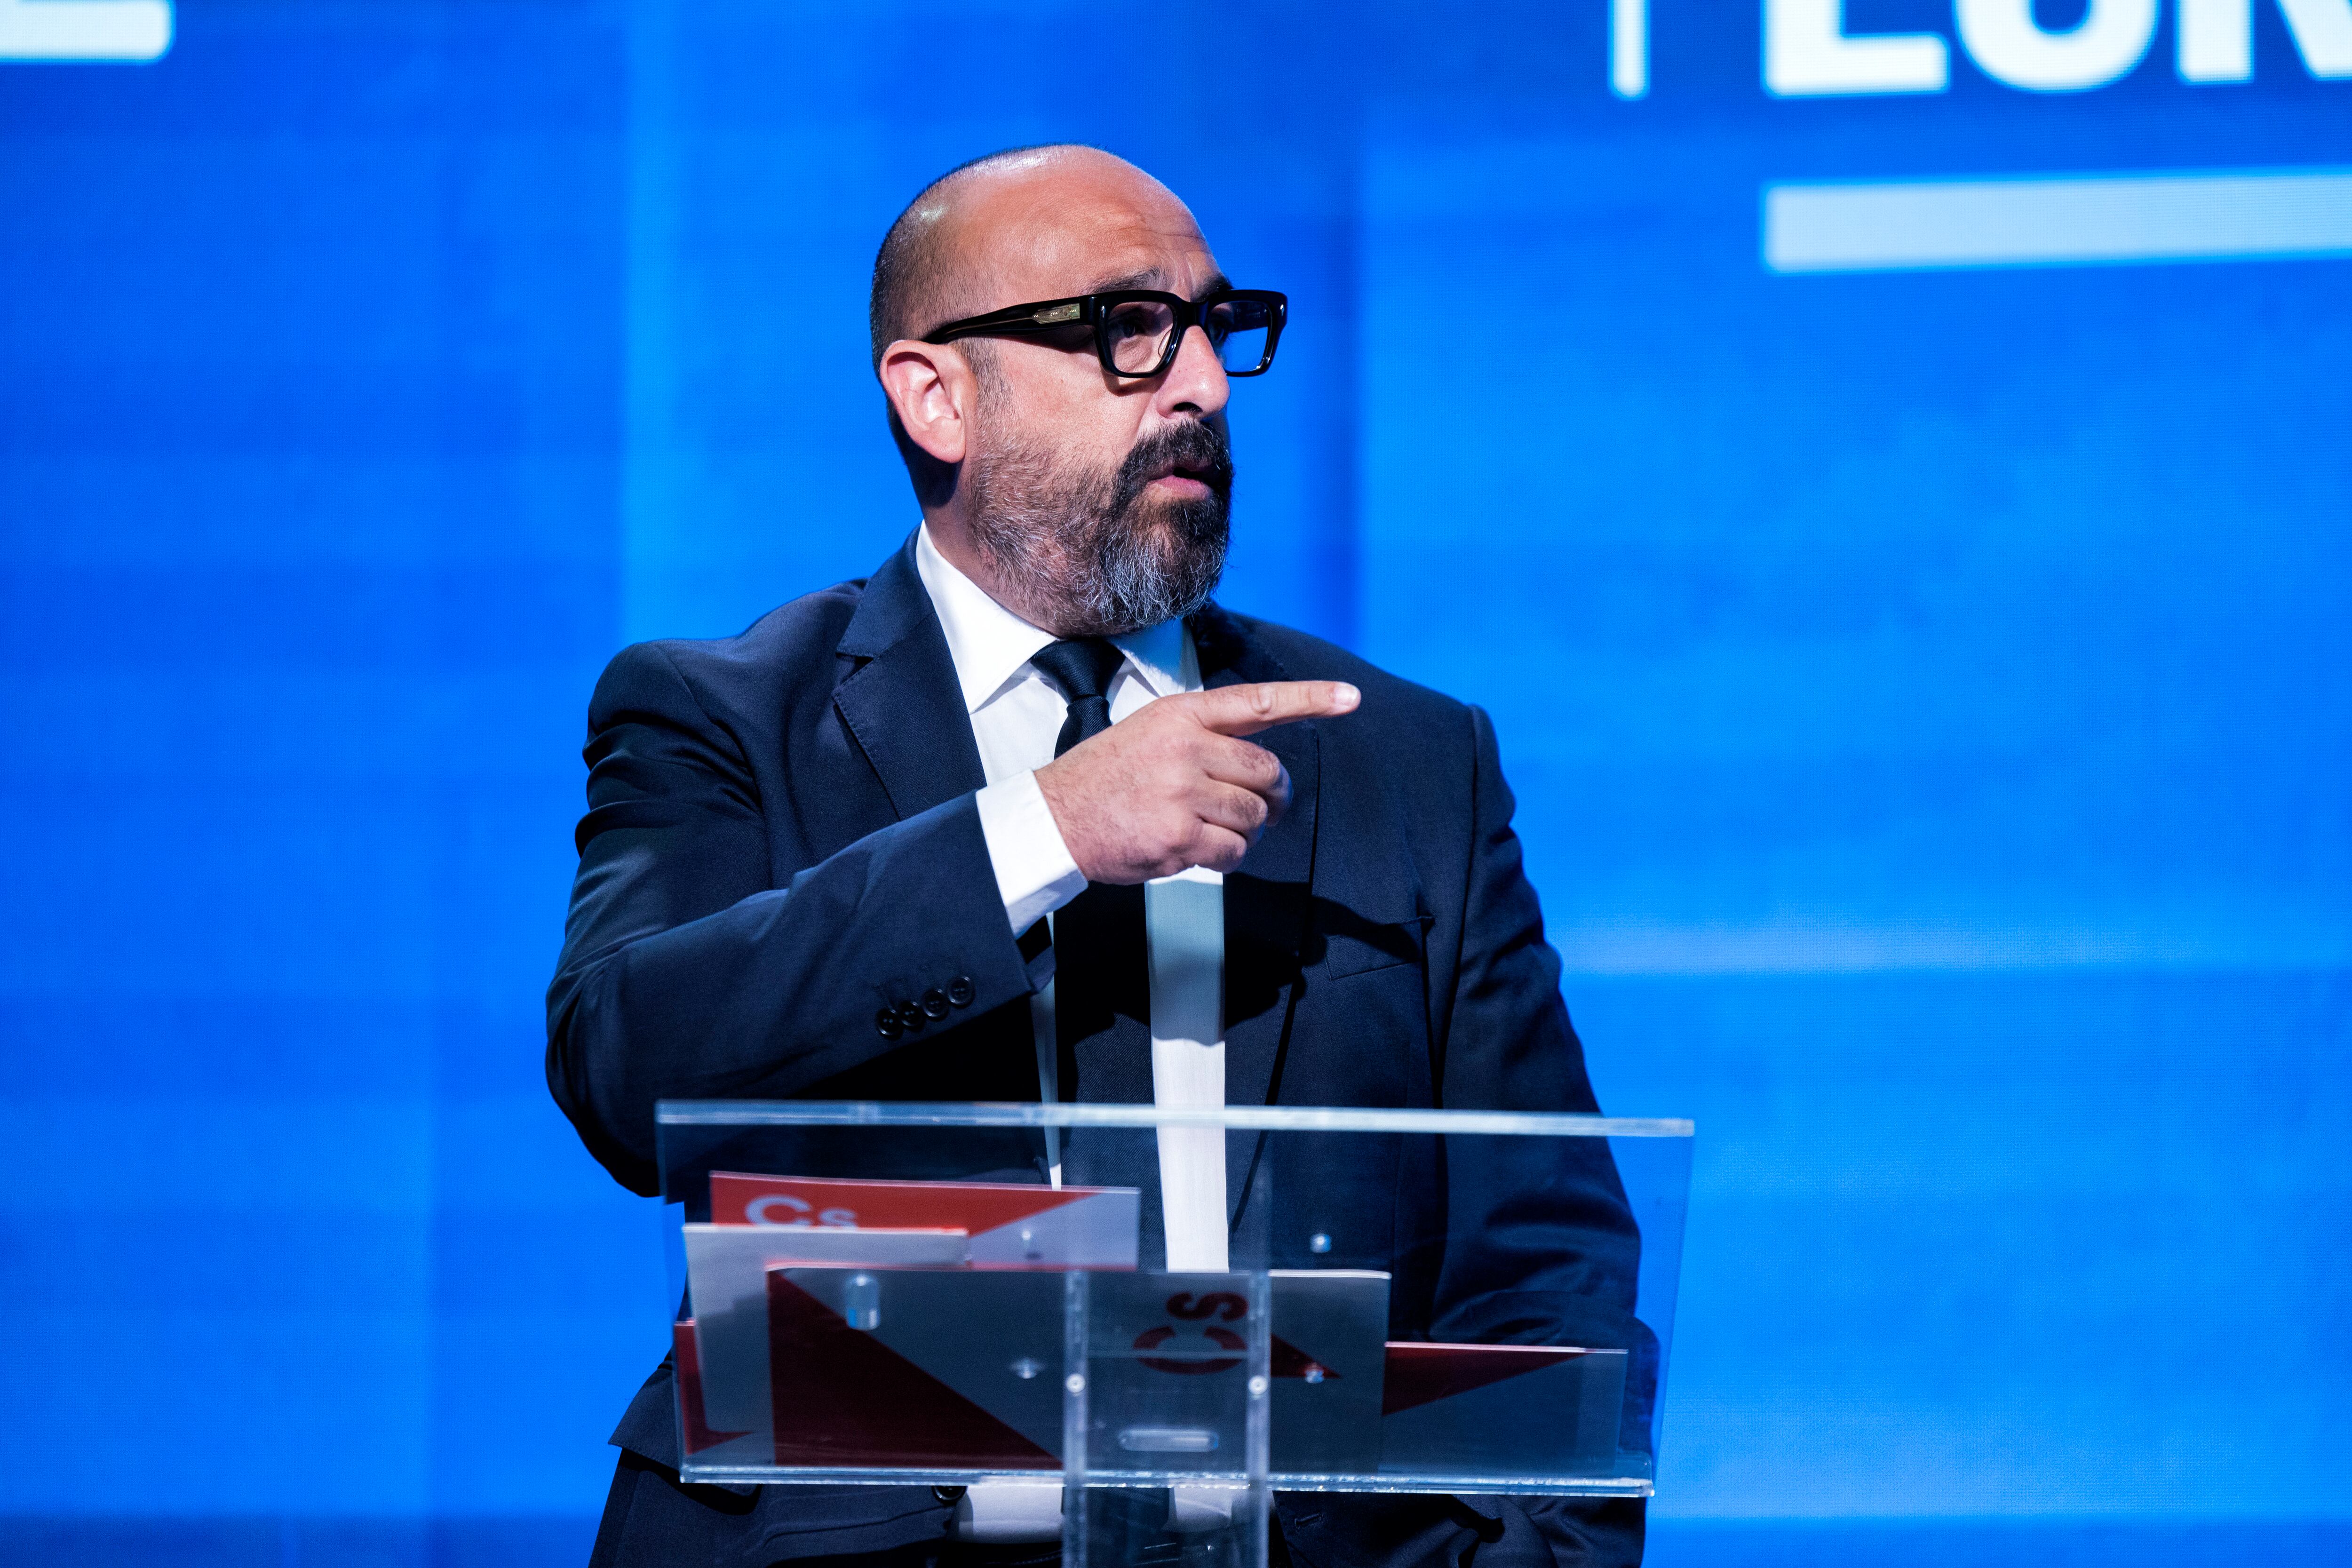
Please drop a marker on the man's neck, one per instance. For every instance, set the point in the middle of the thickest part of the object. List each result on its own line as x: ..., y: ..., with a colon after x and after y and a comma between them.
x: 949, y: 535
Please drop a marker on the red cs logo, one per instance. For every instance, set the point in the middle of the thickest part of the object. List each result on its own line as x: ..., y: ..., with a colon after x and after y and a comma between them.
x: 765, y: 1210
x: 1224, y: 1305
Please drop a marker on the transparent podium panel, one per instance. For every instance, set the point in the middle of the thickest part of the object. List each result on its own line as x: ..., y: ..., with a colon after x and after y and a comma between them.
x: 1127, y: 1327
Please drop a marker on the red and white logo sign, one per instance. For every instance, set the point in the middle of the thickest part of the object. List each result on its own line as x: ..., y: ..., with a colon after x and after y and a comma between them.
x: 1011, y: 1226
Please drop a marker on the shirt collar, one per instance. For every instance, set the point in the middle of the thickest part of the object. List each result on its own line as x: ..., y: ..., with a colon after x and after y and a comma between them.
x: 1158, y: 657
x: 990, y: 646
x: 988, y: 642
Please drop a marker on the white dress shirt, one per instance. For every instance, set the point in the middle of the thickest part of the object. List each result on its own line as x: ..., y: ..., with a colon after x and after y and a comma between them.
x: 1016, y: 716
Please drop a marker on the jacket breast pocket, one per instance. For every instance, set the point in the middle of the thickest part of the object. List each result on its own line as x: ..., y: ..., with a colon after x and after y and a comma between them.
x: 1350, y: 944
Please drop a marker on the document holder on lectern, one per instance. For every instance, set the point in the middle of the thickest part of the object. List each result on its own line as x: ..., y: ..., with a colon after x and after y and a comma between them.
x: 1147, y: 1321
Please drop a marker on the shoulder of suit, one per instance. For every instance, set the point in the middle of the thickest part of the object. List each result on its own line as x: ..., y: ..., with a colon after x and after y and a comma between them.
x: 778, y: 653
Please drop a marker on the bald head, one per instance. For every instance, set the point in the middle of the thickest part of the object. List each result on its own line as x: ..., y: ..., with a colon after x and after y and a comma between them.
x: 1022, y: 214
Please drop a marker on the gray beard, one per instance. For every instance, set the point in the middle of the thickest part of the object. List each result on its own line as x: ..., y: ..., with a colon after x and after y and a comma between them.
x: 1090, y: 556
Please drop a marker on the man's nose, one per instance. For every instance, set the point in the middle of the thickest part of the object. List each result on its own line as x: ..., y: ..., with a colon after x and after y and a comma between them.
x: 1196, y: 382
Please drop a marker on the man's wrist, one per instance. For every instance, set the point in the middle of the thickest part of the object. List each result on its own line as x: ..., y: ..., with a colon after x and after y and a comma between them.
x: 1035, y: 873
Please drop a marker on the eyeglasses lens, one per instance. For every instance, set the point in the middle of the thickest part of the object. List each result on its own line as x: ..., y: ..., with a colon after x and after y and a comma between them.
x: 1238, y: 329
x: 1138, y: 331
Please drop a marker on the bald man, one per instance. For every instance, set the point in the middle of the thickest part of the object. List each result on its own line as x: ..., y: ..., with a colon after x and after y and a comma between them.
x: 820, y: 857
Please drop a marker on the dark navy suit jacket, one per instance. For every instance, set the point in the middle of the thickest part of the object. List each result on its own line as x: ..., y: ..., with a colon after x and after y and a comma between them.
x: 782, y: 841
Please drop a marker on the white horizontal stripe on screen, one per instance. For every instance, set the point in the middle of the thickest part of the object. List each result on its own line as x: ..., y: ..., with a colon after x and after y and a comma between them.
x: 85, y: 29
x: 2058, y: 221
x: 2233, y: 940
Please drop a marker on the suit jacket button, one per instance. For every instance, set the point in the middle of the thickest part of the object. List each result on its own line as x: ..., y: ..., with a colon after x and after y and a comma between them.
x: 935, y: 1004
x: 960, y: 990
x: 886, y: 1024
x: 911, y: 1016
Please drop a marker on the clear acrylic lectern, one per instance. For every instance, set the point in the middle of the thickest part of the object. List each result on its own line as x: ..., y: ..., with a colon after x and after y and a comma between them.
x: 1132, y: 1326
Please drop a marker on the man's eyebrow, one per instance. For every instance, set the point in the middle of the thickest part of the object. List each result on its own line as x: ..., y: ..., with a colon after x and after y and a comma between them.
x: 1152, y: 278
x: 1147, y: 279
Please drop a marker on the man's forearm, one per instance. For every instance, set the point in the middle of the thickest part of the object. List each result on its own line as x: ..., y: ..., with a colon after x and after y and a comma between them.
x: 785, y: 988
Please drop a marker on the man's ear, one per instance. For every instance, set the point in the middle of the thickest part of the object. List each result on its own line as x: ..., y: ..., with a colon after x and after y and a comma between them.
x: 931, y: 388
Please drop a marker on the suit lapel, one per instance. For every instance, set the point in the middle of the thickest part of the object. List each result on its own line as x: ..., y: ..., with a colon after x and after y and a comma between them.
x: 903, y: 703
x: 1268, y: 895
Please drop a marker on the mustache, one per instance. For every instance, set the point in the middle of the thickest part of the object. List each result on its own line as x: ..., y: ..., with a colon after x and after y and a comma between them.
x: 1198, y: 450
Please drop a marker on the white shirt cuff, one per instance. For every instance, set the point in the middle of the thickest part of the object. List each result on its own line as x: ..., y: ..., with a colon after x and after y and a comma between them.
x: 1034, y: 873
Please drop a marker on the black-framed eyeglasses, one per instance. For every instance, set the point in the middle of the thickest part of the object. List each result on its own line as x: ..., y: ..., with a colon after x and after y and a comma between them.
x: 1137, y: 331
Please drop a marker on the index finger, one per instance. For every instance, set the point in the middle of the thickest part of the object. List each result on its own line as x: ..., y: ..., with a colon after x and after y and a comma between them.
x: 1246, y: 710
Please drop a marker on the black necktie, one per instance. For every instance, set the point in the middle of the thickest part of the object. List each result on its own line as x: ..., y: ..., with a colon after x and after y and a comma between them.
x: 1102, y: 987
x: 1084, y: 669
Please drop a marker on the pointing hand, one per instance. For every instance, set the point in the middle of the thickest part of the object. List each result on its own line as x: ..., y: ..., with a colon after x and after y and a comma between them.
x: 1174, y: 785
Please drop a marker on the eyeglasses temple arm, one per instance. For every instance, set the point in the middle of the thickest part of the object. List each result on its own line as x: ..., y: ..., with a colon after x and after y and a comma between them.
x: 1015, y: 318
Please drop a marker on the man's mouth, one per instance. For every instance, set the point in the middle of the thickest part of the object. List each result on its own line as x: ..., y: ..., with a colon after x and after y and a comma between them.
x: 1184, y: 480
x: 1186, y: 468
x: 1189, y: 477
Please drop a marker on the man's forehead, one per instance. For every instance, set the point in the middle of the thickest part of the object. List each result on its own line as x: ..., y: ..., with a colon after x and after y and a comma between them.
x: 1054, y: 232
x: 1053, y: 264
